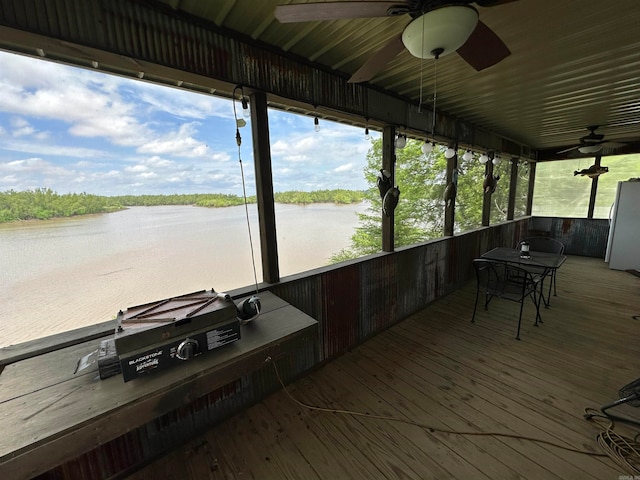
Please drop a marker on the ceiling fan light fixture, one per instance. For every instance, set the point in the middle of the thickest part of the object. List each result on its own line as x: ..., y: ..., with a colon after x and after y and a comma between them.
x: 590, y: 148
x: 440, y: 32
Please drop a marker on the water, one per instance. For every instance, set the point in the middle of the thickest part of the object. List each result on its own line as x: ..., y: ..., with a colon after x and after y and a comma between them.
x: 60, y: 274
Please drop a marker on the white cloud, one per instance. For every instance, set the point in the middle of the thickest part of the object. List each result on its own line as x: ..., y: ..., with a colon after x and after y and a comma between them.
x: 347, y: 167
x: 156, y: 161
x: 221, y: 157
x: 136, y: 169
x: 17, y: 122
x: 46, y: 150
x: 183, y: 104
x: 23, y: 132
x: 22, y: 128
x: 181, y: 143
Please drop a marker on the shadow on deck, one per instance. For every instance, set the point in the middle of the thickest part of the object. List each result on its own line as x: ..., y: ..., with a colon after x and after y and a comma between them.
x: 439, y: 370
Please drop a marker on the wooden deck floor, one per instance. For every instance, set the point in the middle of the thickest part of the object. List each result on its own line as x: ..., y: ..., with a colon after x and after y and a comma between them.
x: 438, y: 369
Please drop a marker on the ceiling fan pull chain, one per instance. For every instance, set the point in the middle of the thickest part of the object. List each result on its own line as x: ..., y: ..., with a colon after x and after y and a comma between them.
x: 421, y: 67
x: 435, y: 90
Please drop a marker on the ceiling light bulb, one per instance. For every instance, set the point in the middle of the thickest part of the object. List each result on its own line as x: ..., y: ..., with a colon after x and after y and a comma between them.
x: 245, y: 109
x: 449, y: 152
x: 496, y: 160
x: 316, y: 124
x: 468, y: 156
x: 401, y: 141
x: 427, y: 147
x: 484, y: 158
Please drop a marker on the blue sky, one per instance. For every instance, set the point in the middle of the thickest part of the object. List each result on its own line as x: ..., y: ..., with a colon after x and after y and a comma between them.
x: 78, y: 130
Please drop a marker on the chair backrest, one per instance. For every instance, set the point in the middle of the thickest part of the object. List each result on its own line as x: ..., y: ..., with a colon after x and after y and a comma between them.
x: 503, y: 279
x: 544, y: 244
x: 491, y: 275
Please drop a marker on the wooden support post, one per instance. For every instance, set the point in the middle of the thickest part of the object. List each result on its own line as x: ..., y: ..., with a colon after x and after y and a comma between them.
x: 532, y: 181
x: 388, y: 163
x: 449, y: 210
x: 486, y: 195
x: 594, y: 190
x: 264, y: 187
x: 513, y: 186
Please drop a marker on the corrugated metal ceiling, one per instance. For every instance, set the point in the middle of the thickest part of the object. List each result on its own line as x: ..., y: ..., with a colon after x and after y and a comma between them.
x: 574, y: 63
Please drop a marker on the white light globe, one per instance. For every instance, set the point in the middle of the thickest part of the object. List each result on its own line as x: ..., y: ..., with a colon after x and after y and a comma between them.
x: 496, y: 160
x: 401, y: 141
x: 449, y: 152
x: 445, y: 29
x: 484, y: 158
x: 467, y: 156
x: 427, y: 148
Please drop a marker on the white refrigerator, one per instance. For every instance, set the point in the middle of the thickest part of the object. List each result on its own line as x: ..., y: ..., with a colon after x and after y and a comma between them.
x: 623, y: 245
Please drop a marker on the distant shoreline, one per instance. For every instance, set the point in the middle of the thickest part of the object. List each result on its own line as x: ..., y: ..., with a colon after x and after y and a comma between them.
x: 45, y: 204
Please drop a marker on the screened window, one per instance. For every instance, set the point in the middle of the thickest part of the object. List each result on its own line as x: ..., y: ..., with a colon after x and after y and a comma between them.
x: 559, y: 192
x: 621, y: 168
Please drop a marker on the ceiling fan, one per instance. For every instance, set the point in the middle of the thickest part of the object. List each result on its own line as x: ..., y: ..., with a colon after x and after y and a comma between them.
x: 437, y: 28
x: 593, y: 142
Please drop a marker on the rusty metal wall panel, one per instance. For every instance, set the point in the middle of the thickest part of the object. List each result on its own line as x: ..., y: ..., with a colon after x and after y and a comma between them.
x: 462, y: 250
x: 306, y: 295
x: 581, y: 236
x: 378, y: 294
x: 421, y: 276
x: 341, y: 305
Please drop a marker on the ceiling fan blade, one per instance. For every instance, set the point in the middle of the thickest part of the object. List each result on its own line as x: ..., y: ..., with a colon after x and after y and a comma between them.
x: 378, y: 61
x: 613, y: 144
x: 569, y: 149
x: 493, y: 3
x: 483, y: 48
x: 311, y: 12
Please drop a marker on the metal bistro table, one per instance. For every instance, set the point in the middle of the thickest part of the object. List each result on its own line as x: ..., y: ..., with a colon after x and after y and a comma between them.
x: 547, y: 262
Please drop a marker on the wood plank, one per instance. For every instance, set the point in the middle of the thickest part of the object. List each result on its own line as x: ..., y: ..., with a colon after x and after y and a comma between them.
x: 507, y: 410
x: 40, y: 346
x: 395, y: 449
x: 313, y: 444
x: 486, y: 453
x: 47, y: 426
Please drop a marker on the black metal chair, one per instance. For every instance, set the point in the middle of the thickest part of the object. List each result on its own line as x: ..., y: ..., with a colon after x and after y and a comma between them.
x: 504, y: 280
x: 547, y: 245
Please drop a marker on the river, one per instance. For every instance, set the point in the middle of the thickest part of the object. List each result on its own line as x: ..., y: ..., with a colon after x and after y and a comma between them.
x: 61, y: 274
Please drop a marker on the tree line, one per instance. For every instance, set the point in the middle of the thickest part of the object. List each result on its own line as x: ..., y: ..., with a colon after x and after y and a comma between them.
x: 44, y: 203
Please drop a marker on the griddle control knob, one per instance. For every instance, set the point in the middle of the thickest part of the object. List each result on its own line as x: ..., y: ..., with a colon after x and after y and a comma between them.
x: 187, y: 349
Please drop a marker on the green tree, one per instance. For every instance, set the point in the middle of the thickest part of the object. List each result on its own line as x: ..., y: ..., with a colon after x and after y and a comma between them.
x: 419, y: 215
